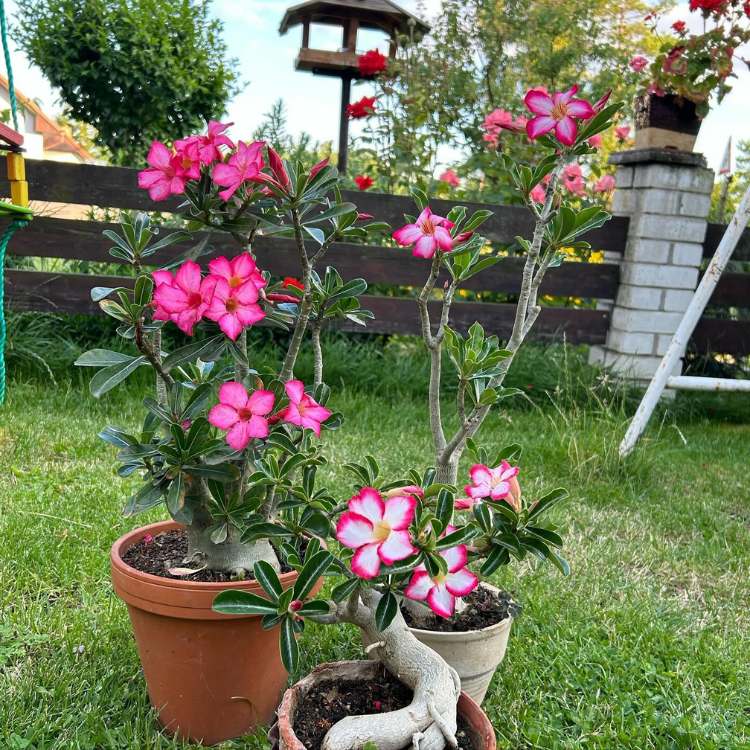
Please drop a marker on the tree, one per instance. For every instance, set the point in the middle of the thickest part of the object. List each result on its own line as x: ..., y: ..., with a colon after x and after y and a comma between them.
x: 478, y: 57
x: 134, y: 70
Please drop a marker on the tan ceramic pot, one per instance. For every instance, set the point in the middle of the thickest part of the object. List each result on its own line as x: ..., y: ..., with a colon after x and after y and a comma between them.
x: 474, y: 654
x: 282, y: 733
x: 210, y: 676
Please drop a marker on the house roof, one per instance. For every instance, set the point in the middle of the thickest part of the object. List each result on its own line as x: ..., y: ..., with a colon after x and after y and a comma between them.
x: 374, y: 14
x: 54, y: 137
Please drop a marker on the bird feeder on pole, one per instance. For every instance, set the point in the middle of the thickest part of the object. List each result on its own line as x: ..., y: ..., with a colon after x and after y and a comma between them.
x: 350, y: 16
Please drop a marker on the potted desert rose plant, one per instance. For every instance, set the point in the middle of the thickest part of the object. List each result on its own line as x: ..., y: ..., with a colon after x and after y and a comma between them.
x: 689, y: 69
x: 413, y: 546
x: 218, y: 433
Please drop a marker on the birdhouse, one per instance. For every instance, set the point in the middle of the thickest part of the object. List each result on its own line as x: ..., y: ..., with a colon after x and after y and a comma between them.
x: 350, y: 16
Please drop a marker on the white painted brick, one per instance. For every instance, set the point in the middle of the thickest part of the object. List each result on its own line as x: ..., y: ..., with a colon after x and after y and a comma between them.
x: 625, y: 201
x: 645, y: 321
x: 673, y: 228
x: 630, y: 343
x: 694, y: 204
x: 673, y: 177
x: 677, y: 300
x: 662, y: 276
x: 639, y: 297
x: 624, y: 177
x: 648, y: 251
x: 635, y: 366
x: 596, y: 355
x: 687, y: 254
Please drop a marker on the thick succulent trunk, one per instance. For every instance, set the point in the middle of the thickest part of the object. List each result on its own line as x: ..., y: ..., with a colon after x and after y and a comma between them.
x: 447, y: 471
x: 429, y: 721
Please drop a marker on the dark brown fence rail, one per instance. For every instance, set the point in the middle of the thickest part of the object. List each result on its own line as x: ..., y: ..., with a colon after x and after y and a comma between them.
x: 115, y: 187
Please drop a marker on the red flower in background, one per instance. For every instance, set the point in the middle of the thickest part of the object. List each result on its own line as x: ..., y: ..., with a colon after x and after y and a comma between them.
x: 708, y: 6
x: 291, y: 283
x: 362, y: 108
x: 364, y: 182
x: 679, y: 26
x: 372, y: 63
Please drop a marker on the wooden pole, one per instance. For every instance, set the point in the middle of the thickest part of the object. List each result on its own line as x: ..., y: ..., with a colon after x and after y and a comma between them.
x: 687, y: 325
x: 346, y: 89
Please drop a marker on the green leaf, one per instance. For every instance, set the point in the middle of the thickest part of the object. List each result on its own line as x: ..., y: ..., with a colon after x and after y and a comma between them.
x: 147, y: 497
x: 102, y: 358
x: 267, y: 577
x: 234, y: 602
x: 288, y: 643
x: 497, y: 557
x: 545, y: 503
x: 176, y: 500
x: 477, y: 218
x: 315, y: 607
x: 545, y: 535
x: 311, y: 571
x: 386, y: 610
x: 208, y: 349
x: 105, y: 380
x: 345, y: 590
x: 559, y: 562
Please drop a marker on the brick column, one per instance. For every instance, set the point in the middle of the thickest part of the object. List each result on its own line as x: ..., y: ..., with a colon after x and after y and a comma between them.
x: 667, y: 195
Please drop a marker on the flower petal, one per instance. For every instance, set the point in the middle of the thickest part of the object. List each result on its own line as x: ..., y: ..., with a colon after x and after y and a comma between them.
x: 188, y: 276
x: 419, y: 586
x: 441, y: 601
x: 366, y: 563
x: 566, y: 131
x: 456, y: 557
x: 369, y: 504
x: 425, y: 247
x: 462, y: 582
x: 222, y: 416
x: 353, y: 530
x: 257, y: 427
x: 538, y: 102
x: 538, y: 126
x: 295, y: 389
x: 239, y: 436
x: 407, y: 235
x: 396, y: 547
x: 480, y: 474
x: 261, y: 402
x: 220, y: 267
x: 581, y: 108
x: 399, y: 511
x: 444, y: 239
x: 233, y: 394
x: 231, y: 326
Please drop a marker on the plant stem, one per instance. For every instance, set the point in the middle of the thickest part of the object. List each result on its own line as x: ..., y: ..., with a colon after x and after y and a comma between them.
x: 146, y: 349
x: 315, y: 329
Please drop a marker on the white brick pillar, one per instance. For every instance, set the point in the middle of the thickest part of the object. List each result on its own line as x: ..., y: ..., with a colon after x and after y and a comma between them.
x: 667, y: 195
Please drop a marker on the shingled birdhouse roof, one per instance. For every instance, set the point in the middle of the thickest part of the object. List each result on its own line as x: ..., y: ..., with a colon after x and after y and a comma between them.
x: 371, y: 14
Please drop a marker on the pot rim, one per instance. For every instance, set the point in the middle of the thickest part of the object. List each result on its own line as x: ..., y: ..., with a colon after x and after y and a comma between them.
x: 468, y: 635
x: 467, y: 706
x: 130, y: 538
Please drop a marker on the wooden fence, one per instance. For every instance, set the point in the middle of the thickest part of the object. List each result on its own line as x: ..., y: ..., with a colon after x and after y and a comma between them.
x: 115, y: 187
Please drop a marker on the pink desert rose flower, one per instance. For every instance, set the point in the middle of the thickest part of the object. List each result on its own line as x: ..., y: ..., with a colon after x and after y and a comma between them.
x: 241, y: 416
x: 558, y: 112
x: 165, y: 175
x: 575, y: 186
x: 449, y: 177
x: 409, y: 489
x: 622, y: 132
x: 278, y: 169
x: 605, y: 184
x: 497, y: 121
x: 234, y: 308
x: 538, y: 194
x: 243, y: 166
x: 303, y: 410
x: 187, y: 152
x: 441, y: 592
x: 208, y: 145
x: 427, y: 235
x: 596, y: 141
x: 182, y: 298
x: 572, y: 171
x: 237, y: 271
x: 499, y: 483
x: 638, y: 63
x: 377, y: 530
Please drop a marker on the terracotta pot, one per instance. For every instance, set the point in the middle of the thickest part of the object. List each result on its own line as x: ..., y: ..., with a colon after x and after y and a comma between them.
x: 282, y: 733
x: 667, y: 121
x: 210, y: 676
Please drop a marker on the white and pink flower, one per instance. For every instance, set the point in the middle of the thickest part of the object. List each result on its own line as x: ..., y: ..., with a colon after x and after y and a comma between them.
x: 377, y: 529
x: 428, y: 234
x: 241, y: 416
x: 303, y: 411
x: 558, y: 112
x: 499, y: 483
x: 441, y: 592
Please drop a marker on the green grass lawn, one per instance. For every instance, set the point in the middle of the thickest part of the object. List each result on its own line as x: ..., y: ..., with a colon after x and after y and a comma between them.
x: 645, y: 645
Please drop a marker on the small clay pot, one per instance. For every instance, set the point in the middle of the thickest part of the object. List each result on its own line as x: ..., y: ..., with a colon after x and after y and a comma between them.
x: 210, y: 676
x: 668, y: 121
x: 282, y: 733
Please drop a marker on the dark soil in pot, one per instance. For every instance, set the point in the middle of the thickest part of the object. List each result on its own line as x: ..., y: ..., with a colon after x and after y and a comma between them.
x: 156, y: 555
x: 329, y: 702
x: 484, y: 609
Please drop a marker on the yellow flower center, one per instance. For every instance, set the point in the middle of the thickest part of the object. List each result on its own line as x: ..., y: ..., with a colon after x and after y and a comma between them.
x: 440, y: 578
x: 381, y: 530
x: 559, y: 110
x: 235, y: 281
